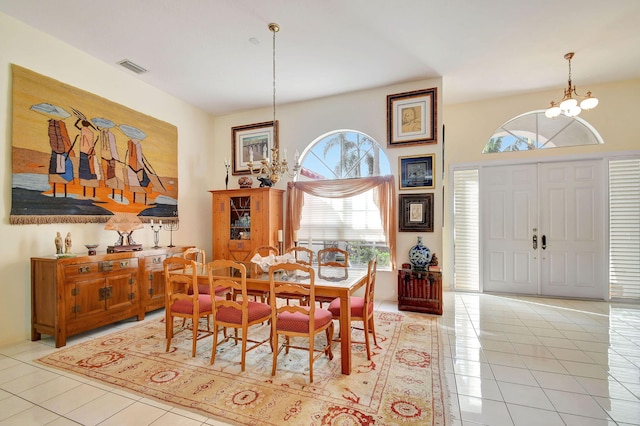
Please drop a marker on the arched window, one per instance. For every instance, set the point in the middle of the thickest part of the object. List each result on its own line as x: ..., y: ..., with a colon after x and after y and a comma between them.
x: 533, y: 130
x: 352, y: 223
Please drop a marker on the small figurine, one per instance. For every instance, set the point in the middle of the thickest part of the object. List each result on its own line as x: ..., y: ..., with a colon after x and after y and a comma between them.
x: 434, y: 260
x: 58, y: 241
x: 265, y: 181
x: 67, y: 243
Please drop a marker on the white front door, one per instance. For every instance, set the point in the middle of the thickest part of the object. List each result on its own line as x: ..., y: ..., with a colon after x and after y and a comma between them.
x: 572, y: 229
x: 509, y: 219
x: 543, y: 229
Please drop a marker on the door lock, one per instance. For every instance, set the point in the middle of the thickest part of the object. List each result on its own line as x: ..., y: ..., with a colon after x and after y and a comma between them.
x: 544, y: 242
x: 535, y: 242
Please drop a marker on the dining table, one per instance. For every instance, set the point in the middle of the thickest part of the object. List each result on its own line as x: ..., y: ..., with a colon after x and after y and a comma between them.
x: 335, y: 282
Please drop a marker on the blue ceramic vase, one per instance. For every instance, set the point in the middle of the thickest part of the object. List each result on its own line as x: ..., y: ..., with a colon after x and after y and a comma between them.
x: 419, y: 256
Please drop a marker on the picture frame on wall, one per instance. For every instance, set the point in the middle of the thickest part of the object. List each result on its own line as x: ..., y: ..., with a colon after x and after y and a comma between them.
x: 417, y: 171
x: 252, y: 141
x: 411, y: 118
x: 416, y: 212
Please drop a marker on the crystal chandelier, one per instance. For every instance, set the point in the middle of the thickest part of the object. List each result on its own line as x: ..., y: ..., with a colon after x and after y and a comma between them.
x: 271, y: 167
x: 569, y: 105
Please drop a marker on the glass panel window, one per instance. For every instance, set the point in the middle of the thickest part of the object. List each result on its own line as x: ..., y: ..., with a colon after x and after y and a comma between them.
x: 533, y: 130
x: 351, y: 223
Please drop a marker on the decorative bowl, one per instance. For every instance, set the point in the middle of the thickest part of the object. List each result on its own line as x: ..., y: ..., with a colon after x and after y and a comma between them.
x: 245, y: 182
x: 91, y: 248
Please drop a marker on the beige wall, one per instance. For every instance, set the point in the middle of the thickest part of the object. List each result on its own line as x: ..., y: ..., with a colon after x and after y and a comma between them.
x: 29, y: 48
x: 470, y: 125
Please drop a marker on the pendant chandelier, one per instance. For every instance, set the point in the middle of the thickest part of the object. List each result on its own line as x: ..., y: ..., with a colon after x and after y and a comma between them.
x: 270, y: 167
x: 569, y: 105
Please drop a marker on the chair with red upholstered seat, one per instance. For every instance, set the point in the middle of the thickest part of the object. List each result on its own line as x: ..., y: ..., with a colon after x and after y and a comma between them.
x: 230, y: 313
x: 182, y: 298
x: 331, y: 257
x: 295, y: 320
x: 362, y: 307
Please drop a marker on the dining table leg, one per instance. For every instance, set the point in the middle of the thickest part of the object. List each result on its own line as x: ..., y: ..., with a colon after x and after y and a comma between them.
x: 345, y: 332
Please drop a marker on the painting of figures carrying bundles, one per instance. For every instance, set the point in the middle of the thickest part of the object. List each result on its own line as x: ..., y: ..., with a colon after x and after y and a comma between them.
x: 77, y: 157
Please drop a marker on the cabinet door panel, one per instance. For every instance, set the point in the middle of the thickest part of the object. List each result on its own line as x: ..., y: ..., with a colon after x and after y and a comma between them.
x: 120, y: 290
x: 88, y: 299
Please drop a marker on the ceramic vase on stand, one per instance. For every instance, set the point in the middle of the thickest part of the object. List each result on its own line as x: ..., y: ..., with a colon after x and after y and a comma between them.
x: 419, y: 256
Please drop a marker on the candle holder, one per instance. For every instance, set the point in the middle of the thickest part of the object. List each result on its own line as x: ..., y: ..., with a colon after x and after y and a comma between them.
x: 156, y: 235
x: 171, y: 226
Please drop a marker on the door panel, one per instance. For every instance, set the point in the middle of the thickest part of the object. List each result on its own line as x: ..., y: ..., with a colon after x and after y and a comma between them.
x: 509, y: 217
x: 571, y: 218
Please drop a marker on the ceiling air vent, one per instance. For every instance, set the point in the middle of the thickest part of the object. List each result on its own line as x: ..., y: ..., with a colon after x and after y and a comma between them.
x: 132, y: 67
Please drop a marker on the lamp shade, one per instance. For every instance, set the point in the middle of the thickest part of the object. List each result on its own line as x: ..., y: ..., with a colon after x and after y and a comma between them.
x: 589, y: 103
x: 552, y: 112
x: 573, y: 111
x: 567, y: 104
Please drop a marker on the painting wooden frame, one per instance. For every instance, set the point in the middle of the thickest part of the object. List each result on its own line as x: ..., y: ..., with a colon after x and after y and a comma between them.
x: 259, y: 137
x: 416, y: 212
x: 417, y: 171
x: 411, y: 118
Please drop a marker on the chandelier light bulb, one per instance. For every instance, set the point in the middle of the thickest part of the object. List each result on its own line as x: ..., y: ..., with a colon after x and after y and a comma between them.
x: 553, y: 111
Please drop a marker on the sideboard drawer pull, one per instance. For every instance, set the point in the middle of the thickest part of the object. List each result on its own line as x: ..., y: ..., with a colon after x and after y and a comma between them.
x: 84, y: 269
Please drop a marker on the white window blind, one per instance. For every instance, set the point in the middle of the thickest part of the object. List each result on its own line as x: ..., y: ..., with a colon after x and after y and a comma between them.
x: 465, y: 228
x: 341, y: 219
x: 624, y: 228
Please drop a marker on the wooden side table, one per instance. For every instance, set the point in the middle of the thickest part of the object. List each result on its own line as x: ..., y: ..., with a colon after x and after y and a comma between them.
x: 420, y: 291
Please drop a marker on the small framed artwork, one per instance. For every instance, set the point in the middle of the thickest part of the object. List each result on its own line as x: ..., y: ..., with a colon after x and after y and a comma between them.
x: 417, y: 171
x: 416, y: 212
x: 411, y: 118
x: 252, y: 142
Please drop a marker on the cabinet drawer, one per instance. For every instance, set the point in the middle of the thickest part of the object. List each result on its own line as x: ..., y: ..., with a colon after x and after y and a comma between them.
x: 154, y: 262
x: 100, y: 267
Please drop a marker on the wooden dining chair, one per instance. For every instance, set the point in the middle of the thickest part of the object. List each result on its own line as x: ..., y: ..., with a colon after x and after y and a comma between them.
x: 295, y: 320
x: 262, y: 251
x: 362, y: 308
x: 237, y: 315
x: 331, y: 257
x: 303, y: 255
x: 182, y: 298
x: 197, y: 255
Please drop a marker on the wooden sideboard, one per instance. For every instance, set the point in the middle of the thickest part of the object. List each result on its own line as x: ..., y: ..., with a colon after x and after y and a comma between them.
x: 420, y: 291
x: 70, y: 295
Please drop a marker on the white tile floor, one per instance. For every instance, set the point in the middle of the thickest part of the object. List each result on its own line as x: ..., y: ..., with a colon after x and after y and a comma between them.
x: 508, y: 361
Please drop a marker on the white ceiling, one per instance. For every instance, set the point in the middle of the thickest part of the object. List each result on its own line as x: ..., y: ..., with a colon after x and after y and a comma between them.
x: 201, y: 50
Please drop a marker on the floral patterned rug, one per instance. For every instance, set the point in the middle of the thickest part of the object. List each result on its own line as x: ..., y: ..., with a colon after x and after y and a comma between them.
x: 404, y: 382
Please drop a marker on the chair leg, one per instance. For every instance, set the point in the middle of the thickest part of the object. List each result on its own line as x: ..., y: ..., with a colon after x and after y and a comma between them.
x: 311, y: 341
x: 195, y: 336
x: 365, y: 323
x: 215, y: 344
x: 372, y: 327
x: 169, y: 331
x: 244, y: 348
x: 330, y: 331
x: 275, y: 352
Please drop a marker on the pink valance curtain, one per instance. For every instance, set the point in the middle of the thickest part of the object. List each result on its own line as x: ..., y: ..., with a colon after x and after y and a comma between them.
x: 384, y: 196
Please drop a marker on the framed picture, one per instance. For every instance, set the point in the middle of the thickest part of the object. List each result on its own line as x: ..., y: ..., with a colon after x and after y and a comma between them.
x: 417, y: 171
x: 252, y: 142
x: 411, y: 118
x: 416, y: 212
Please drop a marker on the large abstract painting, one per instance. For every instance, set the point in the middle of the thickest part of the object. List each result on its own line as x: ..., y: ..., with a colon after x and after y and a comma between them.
x: 78, y: 157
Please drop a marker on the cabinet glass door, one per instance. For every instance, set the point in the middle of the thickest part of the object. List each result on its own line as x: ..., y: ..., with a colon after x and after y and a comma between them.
x: 240, y: 218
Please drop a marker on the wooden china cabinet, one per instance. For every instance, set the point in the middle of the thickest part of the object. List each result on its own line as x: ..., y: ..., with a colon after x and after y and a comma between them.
x: 244, y: 219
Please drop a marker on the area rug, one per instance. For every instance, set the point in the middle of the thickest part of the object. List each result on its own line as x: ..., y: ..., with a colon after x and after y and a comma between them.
x: 403, y: 383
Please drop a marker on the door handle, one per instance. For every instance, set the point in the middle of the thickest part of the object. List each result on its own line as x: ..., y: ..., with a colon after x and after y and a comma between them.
x: 535, y: 242
x: 544, y: 242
